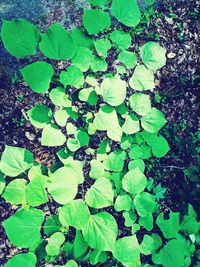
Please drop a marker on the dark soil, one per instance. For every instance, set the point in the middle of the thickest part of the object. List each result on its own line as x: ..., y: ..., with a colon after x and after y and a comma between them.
x: 176, y: 27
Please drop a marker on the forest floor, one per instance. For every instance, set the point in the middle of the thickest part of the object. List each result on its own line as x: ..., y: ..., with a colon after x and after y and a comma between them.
x: 175, y: 26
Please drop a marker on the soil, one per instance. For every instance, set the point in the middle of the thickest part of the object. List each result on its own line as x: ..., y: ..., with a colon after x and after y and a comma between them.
x: 175, y: 26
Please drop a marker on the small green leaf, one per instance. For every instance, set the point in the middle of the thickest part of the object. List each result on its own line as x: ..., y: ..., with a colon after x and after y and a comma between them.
x: 100, y: 194
x: 147, y: 245
x: 52, y: 136
x: 79, y: 245
x: 83, y: 58
x: 127, y: 251
x: 123, y: 202
x: 105, y: 115
x: 142, y: 79
x: 38, y: 76
x: 114, y: 162
x: 15, y: 160
x: 70, y: 214
x: 52, y: 225
x: 57, y: 43
x: 81, y: 39
x: 20, y: 37
x: 22, y: 260
x: 59, y: 97
x: 97, y: 169
x: 153, y: 121
x: 73, y: 77
x: 26, y: 230
x: 40, y: 115
x: 54, y: 243
x: 153, y: 55
x: 98, y: 64
x: 134, y: 181
x: 63, y: 186
x: 136, y: 163
x: 88, y: 95
x: 61, y: 116
x: 101, y: 231
x: 102, y: 46
x: 115, y: 134
x: 135, y: 152
x: 121, y: 39
x: 129, y: 59
x: 113, y: 91
x: 14, y: 192
x: 140, y: 103
x: 96, y: 21
x: 144, y: 204
x: 169, y: 227
x: 131, y: 124
x: 126, y: 12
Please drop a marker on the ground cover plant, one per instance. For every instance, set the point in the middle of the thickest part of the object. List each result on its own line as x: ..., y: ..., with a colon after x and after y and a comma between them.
x: 109, y: 215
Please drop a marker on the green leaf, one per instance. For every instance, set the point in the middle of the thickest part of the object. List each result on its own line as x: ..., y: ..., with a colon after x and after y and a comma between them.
x: 147, y: 245
x: 14, y: 192
x: 20, y: 37
x: 105, y: 115
x: 54, y: 243
x: 169, y: 227
x: 38, y: 76
x: 100, y: 194
x: 140, y: 103
x: 61, y: 116
x: 147, y: 222
x: 2, y: 183
x: 129, y: 59
x: 79, y: 245
x: 71, y: 263
x: 102, y: 46
x: 135, y: 152
x: 121, y: 39
x: 73, y: 77
x: 126, y: 11
x: 142, y: 79
x: 81, y: 39
x: 113, y: 91
x: 136, y: 163
x: 52, y: 136
x: 35, y: 191
x: 127, y: 251
x: 153, y: 55
x: 101, y: 231
x: 131, y: 124
x: 114, y: 162
x: 99, y: 3
x: 129, y: 217
x: 40, y: 115
x: 134, y: 181
x: 26, y: 230
x: 97, y: 169
x: 70, y: 214
x: 115, y: 134
x: 83, y: 58
x: 98, y: 257
x: 22, y: 260
x: 171, y: 255
x: 88, y: 95
x: 189, y: 224
x: 57, y: 43
x: 144, y: 204
x: 63, y: 186
x: 59, y: 97
x: 96, y: 21
x: 15, y: 160
x: 153, y: 121
x: 52, y: 225
x: 123, y: 202
x: 98, y: 64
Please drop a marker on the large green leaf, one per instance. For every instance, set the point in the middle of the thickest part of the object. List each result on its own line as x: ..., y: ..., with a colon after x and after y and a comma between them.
x: 153, y: 121
x: 140, y: 103
x: 172, y: 254
x: 57, y: 43
x: 75, y: 213
x: 15, y: 160
x: 142, y: 79
x: 20, y: 37
x: 127, y: 251
x: 22, y: 260
x: 126, y: 11
x: 134, y: 181
x: 113, y: 91
x: 35, y: 191
x: 52, y: 136
x: 38, y: 76
x: 23, y: 227
x: 144, y: 204
x: 14, y: 192
x: 105, y: 115
x: 83, y: 58
x: 100, y: 194
x: 121, y: 39
x: 153, y: 55
x: 169, y: 227
x: 101, y: 231
x: 96, y: 21
x: 40, y: 115
x: 63, y: 186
